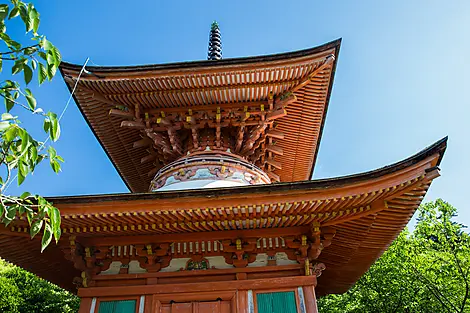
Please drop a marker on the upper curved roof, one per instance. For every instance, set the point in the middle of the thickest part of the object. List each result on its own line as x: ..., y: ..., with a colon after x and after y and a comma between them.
x: 223, y: 83
x: 366, y: 210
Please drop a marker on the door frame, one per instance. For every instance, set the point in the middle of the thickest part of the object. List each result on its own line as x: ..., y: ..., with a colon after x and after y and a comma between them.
x: 159, y: 299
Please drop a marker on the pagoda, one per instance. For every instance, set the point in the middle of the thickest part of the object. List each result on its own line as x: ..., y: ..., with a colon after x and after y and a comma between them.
x: 222, y: 215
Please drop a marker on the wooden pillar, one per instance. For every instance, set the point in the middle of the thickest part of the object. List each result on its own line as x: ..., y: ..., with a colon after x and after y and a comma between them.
x: 310, y: 299
x: 242, y: 301
x: 85, y: 305
x: 150, y: 304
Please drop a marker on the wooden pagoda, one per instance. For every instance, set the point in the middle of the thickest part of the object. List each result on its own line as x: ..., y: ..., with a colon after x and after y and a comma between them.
x: 222, y: 214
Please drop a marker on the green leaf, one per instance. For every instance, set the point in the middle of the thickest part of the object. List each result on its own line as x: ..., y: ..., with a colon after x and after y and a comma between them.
x: 57, y: 58
x: 54, y: 215
x: 30, y: 50
x: 34, y: 64
x: 28, y: 23
x: 3, y: 11
x: 51, y: 70
x: 1, y: 65
x: 28, y: 74
x: 10, y: 214
x: 34, y: 17
x: 52, y: 152
x: 42, y: 55
x: 17, y: 67
x: 4, y: 125
x: 50, y: 58
x: 42, y: 73
x: 9, y: 103
x: 21, y: 175
x: 25, y: 140
x: 55, y: 166
x: 25, y: 195
x: 33, y: 151
x: 54, y: 129
x: 47, y: 236
x: 29, y: 216
x: 11, y: 133
x: 8, y: 116
x: 36, y: 22
x: 35, y: 228
x: 47, y: 125
x: 14, y: 13
x: 46, y: 44
x: 15, y: 44
x: 31, y: 100
x: 2, y: 209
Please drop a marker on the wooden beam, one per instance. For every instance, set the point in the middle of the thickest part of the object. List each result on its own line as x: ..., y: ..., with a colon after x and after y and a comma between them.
x: 273, y: 176
x: 281, y: 112
x: 201, y: 287
x: 175, y: 141
x: 195, y: 137
x: 121, y: 113
x: 275, y: 134
x: 329, y: 61
x: 253, y: 137
x: 274, y: 149
x: 183, y: 237
x: 148, y: 158
x: 281, y: 103
x: 133, y: 124
x: 153, y: 172
x: 210, y: 107
x: 144, y: 142
x: 98, y: 96
x: 274, y: 163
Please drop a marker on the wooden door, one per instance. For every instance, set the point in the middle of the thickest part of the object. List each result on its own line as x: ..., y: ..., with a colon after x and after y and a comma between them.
x: 197, y: 307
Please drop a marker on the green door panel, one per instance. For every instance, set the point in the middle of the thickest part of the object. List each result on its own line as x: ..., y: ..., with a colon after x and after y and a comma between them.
x: 265, y: 302
x: 276, y: 302
x: 125, y: 306
x: 284, y: 302
x: 106, y: 307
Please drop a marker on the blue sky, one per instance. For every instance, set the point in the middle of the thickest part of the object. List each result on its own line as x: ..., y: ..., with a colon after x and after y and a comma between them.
x: 402, y: 80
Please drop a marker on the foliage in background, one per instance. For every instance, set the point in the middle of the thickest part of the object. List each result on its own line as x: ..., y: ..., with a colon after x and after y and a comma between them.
x: 20, y: 153
x: 23, y: 292
x: 423, y: 271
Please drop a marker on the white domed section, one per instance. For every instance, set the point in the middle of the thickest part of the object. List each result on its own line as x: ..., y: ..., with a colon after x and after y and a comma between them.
x: 211, y: 170
x: 201, y: 184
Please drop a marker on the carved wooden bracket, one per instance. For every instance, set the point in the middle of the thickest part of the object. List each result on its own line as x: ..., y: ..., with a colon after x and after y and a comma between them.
x: 154, y: 257
x: 84, y: 260
x: 239, y: 252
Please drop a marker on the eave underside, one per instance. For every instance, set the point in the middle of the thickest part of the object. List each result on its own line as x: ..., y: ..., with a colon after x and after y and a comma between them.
x: 367, y: 211
x: 222, y: 83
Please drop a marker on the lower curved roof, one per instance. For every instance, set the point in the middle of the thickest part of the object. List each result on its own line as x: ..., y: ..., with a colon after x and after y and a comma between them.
x: 366, y: 210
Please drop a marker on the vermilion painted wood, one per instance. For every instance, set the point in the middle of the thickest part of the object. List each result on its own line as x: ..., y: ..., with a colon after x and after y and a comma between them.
x: 268, y: 283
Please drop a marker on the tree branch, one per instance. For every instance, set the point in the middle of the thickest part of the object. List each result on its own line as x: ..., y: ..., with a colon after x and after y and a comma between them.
x: 20, y: 50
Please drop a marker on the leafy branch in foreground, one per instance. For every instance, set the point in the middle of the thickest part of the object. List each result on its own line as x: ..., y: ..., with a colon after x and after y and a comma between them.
x: 20, y: 153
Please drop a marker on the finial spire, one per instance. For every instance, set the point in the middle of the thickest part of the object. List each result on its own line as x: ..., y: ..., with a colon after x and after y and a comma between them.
x: 215, y: 44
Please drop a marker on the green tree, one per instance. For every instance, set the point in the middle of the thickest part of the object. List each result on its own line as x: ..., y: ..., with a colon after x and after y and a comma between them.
x: 20, y: 153
x: 440, y: 256
x: 423, y: 271
x: 23, y: 292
